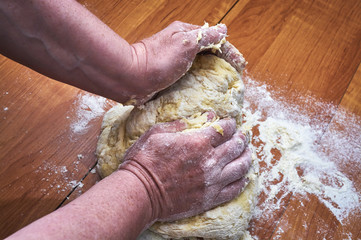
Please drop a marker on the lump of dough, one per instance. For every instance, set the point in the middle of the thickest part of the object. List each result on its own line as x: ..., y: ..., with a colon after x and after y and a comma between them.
x: 211, y: 84
x: 227, y: 221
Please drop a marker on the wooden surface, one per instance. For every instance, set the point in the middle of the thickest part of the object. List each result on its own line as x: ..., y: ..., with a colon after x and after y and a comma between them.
x: 303, y: 47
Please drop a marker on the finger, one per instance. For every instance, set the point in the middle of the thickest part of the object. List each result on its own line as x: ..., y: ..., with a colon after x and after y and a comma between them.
x: 168, y: 127
x: 231, y: 54
x: 206, y: 36
x: 210, y: 116
x: 178, y: 27
x: 220, y: 131
x: 237, y: 168
x: 184, y: 27
x: 231, y: 191
x: 211, y: 35
x: 231, y: 149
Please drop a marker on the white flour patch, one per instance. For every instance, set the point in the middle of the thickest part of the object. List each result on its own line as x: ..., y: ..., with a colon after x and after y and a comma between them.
x: 89, y: 107
x: 299, y: 155
x: 74, y: 184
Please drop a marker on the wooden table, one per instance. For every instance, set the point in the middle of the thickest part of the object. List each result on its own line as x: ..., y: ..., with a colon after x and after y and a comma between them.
x: 307, y: 47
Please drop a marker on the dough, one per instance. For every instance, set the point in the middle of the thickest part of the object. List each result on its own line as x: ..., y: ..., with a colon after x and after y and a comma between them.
x: 228, y: 221
x: 211, y: 84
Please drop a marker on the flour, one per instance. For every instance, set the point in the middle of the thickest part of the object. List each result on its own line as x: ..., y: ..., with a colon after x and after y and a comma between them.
x: 74, y: 184
x: 297, y: 156
x: 89, y: 107
x: 56, y: 177
x: 59, y: 177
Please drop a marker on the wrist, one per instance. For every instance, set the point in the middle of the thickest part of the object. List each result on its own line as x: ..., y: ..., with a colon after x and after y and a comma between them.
x: 154, y: 191
x: 147, y: 72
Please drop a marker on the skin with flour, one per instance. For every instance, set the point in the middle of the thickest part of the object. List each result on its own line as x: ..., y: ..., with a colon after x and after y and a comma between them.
x: 64, y: 41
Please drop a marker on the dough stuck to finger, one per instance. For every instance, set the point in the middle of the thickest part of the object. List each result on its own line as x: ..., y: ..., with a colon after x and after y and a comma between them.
x: 211, y: 85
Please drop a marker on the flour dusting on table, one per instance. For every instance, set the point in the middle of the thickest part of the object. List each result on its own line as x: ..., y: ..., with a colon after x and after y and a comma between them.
x: 298, y: 154
x: 89, y: 107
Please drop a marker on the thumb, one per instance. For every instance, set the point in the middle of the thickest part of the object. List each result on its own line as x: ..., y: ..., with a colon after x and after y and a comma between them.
x: 231, y: 54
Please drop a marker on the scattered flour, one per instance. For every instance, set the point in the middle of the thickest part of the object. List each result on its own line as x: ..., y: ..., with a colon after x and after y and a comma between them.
x: 59, y: 177
x: 74, y: 184
x: 297, y: 156
x: 55, y: 176
x: 63, y: 169
x: 89, y: 107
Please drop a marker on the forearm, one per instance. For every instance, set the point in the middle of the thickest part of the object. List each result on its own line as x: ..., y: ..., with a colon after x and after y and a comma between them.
x: 64, y: 41
x: 118, y: 207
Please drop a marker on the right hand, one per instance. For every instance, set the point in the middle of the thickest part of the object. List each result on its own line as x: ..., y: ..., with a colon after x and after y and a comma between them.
x: 186, y: 173
x: 160, y: 60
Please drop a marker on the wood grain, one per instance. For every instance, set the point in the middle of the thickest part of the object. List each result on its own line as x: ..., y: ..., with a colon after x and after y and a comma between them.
x: 301, y: 46
x: 38, y: 149
x: 351, y: 101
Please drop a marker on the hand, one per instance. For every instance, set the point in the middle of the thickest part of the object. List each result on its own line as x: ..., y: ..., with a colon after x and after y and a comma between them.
x: 186, y: 173
x: 231, y: 54
x: 162, y: 59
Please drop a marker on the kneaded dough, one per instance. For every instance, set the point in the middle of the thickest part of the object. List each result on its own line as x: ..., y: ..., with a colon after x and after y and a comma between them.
x: 211, y: 84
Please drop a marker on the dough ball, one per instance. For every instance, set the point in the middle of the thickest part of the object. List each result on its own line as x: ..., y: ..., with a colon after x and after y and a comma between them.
x: 211, y: 84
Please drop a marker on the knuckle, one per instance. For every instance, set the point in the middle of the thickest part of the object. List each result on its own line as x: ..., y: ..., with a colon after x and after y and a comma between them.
x: 231, y: 122
x: 198, y: 138
x: 197, y: 145
x: 228, y: 124
x: 155, y: 139
x: 153, y: 129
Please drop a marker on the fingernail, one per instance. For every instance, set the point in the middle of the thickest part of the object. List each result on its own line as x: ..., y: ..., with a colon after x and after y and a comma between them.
x: 211, y: 116
x: 247, y: 137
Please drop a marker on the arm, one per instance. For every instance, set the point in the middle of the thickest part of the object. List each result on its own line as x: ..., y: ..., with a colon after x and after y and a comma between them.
x: 64, y: 41
x: 118, y: 207
x: 201, y: 168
